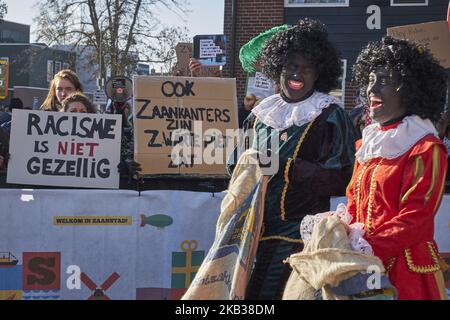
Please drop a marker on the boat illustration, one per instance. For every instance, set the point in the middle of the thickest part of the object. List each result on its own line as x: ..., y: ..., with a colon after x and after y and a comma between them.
x: 8, y: 259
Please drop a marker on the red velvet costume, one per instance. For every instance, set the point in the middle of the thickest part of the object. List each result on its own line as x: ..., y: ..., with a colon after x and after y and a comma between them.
x: 397, y: 200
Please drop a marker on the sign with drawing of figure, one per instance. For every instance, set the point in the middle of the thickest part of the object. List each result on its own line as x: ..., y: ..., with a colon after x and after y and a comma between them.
x: 64, y: 149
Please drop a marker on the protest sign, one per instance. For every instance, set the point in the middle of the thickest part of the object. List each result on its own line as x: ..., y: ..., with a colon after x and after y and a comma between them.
x: 64, y: 149
x: 433, y: 35
x: 261, y: 86
x: 184, y: 53
x: 100, y: 97
x: 169, y: 108
x: 210, y: 50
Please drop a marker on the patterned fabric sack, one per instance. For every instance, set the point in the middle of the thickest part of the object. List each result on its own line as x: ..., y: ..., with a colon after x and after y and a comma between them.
x: 225, y: 272
x: 327, y: 260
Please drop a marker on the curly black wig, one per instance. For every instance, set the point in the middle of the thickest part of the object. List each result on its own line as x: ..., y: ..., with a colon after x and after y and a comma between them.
x: 309, y: 39
x: 424, y: 80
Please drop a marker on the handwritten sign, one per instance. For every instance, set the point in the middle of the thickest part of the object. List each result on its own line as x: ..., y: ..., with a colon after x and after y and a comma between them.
x: 433, y: 35
x: 184, y: 53
x: 64, y: 149
x: 261, y: 86
x: 210, y: 50
x: 203, y: 108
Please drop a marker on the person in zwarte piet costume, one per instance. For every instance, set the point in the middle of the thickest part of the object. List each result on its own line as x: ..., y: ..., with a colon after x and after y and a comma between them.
x: 399, y: 175
x: 316, y: 142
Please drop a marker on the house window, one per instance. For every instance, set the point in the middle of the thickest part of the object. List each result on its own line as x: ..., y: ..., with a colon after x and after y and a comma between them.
x: 49, y: 70
x: 399, y: 3
x: 339, y: 92
x: 316, y: 3
x: 57, y: 66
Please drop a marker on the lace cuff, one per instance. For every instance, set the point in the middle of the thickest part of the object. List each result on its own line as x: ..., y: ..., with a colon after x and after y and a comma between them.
x: 308, y: 223
x: 357, y: 241
x: 356, y: 233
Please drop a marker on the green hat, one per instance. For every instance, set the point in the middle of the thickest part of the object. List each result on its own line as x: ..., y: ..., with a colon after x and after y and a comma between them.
x: 250, y: 51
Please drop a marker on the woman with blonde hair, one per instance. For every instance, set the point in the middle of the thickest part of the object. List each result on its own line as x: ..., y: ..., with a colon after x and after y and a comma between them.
x: 63, y: 84
x: 78, y: 102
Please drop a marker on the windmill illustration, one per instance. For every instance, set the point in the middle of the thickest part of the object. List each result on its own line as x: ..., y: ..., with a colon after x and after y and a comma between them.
x: 98, y: 293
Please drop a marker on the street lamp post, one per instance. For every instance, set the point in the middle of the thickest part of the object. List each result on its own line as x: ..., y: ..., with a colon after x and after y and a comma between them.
x: 100, y: 83
x: 100, y: 80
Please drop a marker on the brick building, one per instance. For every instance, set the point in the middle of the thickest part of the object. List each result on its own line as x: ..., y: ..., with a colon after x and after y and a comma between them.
x: 251, y: 17
x: 351, y: 25
x: 31, y: 65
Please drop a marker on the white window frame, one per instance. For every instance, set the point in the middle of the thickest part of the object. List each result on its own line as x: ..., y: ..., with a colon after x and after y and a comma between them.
x: 425, y: 3
x: 344, y: 78
x: 50, y: 70
x: 346, y: 4
x: 58, y: 66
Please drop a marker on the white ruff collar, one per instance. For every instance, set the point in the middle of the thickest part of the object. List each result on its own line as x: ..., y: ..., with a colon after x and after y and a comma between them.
x: 274, y: 112
x: 393, y: 143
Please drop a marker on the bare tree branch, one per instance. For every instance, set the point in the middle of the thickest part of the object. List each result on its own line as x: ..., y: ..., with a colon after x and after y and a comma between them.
x: 3, y: 9
x: 122, y: 32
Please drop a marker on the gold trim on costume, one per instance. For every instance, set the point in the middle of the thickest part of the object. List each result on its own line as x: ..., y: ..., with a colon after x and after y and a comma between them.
x: 440, y: 195
x: 391, y: 263
x: 281, y: 238
x: 418, y: 172
x: 436, y: 165
x: 358, y: 190
x: 286, y: 171
x: 443, y: 264
x: 423, y: 269
x: 373, y: 185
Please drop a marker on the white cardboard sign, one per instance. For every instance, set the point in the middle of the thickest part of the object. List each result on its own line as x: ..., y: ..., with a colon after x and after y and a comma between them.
x: 100, y: 97
x: 64, y: 149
